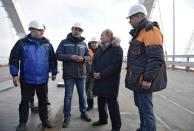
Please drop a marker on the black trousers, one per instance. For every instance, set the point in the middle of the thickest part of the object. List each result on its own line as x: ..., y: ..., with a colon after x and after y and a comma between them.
x: 32, y: 98
x: 27, y: 91
x: 90, y: 103
x: 113, y: 108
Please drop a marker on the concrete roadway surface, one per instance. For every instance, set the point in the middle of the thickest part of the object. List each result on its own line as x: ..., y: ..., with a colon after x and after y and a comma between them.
x: 174, y: 107
x: 4, y: 74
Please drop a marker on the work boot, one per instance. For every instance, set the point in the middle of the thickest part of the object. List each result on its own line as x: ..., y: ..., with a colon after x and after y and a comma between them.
x: 46, y: 124
x: 99, y: 123
x: 66, y: 123
x: 21, y: 126
x: 85, y: 118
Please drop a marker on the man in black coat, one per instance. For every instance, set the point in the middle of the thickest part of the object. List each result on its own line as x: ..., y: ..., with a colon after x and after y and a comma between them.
x: 107, y: 67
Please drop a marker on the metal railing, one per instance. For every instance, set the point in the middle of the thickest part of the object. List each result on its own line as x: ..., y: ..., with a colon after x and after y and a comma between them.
x: 185, y: 61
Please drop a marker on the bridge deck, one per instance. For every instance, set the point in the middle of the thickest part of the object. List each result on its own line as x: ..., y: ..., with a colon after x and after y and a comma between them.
x: 174, y: 107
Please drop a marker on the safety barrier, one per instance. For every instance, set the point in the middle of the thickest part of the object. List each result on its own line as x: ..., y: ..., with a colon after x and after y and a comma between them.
x: 185, y: 61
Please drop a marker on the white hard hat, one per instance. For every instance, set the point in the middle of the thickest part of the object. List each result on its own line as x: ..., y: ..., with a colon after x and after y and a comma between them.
x: 36, y: 24
x: 138, y: 8
x: 78, y: 25
x: 94, y: 39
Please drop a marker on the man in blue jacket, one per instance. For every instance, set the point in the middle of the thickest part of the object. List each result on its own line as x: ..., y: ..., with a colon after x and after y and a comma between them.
x: 34, y: 57
x: 73, y: 52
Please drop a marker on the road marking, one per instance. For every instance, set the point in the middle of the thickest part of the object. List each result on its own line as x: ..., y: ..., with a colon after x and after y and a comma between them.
x: 6, y: 85
x: 161, y: 121
x: 181, y: 107
x: 127, y: 113
x: 157, y: 117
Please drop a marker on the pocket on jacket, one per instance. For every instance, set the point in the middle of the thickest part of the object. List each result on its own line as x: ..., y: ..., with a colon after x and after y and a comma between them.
x: 133, y: 79
x: 136, y: 49
x: 160, y: 81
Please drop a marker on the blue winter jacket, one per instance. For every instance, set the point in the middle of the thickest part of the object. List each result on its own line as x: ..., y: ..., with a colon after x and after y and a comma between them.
x: 34, y: 58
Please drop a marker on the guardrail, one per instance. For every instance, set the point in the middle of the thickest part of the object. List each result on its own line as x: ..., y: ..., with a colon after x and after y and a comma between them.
x: 186, y: 61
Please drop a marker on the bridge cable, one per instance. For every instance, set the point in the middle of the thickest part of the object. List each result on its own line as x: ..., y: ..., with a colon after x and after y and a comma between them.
x: 162, y: 28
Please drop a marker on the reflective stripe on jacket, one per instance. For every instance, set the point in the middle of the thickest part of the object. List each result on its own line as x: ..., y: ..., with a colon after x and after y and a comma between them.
x: 73, y: 46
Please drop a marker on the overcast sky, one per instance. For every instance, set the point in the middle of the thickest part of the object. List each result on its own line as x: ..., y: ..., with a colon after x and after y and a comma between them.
x: 97, y: 15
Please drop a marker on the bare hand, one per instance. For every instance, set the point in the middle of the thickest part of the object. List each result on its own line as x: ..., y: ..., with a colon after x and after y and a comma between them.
x: 146, y: 85
x: 53, y: 77
x: 77, y: 58
x: 15, y: 81
x: 96, y: 75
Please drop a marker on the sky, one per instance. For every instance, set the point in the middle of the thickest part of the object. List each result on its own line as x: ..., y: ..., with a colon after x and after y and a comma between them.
x: 97, y: 15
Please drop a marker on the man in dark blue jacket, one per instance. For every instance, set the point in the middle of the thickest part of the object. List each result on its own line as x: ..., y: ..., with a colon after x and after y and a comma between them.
x: 34, y: 57
x: 73, y: 52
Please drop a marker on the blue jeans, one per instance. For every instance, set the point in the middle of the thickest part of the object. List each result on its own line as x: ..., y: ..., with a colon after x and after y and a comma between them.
x: 69, y: 86
x: 143, y: 101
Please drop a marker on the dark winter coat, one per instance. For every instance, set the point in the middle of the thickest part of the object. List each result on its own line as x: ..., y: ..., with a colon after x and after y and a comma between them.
x: 73, y: 46
x: 108, y: 63
x: 145, y: 60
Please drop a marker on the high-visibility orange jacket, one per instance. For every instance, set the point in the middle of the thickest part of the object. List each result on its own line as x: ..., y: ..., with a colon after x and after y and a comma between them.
x: 145, y: 60
x: 91, y: 54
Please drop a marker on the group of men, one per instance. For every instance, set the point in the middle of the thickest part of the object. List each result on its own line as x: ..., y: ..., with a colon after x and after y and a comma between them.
x: 34, y: 57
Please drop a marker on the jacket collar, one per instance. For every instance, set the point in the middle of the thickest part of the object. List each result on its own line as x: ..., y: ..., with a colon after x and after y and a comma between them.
x: 74, y: 39
x: 114, y: 43
x: 36, y: 40
x: 142, y: 24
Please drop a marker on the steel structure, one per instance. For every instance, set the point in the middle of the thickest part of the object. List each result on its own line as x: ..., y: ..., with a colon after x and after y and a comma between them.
x: 148, y: 4
x: 11, y: 10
